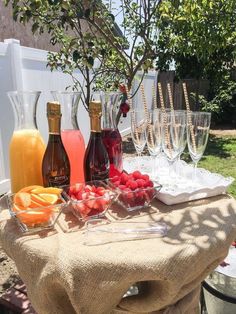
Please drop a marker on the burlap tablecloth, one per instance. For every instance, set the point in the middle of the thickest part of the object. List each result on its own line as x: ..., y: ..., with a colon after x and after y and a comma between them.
x: 65, y: 276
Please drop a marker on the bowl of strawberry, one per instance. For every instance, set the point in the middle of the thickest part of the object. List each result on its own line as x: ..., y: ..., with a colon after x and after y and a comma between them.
x: 135, y: 190
x: 90, y: 199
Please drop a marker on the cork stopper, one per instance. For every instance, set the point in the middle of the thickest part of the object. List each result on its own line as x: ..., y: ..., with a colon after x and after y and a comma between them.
x: 95, y: 108
x: 53, y: 109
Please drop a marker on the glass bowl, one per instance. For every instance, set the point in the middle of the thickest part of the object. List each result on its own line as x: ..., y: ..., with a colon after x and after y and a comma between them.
x: 33, y: 219
x: 137, y: 199
x: 90, y: 199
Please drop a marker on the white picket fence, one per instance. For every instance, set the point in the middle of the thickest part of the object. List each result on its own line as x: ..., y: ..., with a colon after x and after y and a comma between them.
x: 23, y: 68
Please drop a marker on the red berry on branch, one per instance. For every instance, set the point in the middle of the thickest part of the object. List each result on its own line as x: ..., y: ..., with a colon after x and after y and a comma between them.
x: 122, y: 88
x: 124, y: 108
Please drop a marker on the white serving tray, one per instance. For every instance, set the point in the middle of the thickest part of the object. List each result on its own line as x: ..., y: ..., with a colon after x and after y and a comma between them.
x: 181, y: 187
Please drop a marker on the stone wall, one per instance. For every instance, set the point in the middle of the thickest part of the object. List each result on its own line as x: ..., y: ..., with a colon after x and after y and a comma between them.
x: 11, y: 29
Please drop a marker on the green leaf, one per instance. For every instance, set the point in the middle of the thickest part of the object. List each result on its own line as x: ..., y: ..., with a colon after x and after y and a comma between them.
x: 35, y: 26
x: 79, y: 14
x: 90, y: 61
x: 76, y: 56
x: 87, y: 13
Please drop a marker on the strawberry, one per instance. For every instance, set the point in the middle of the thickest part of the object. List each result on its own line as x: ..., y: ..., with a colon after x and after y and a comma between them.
x: 88, y: 188
x: 79, y: 195
x: 78, y: 187
x: 85, y: 195
x: 82, y: 209
x: 100, y: 191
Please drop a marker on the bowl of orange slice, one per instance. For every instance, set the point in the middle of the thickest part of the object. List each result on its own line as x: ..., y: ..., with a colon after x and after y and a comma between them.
x: 36, y: 207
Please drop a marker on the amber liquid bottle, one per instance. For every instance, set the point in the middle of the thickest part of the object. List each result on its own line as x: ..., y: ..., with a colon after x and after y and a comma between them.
x: 56, y: 165
x: 96, y: 160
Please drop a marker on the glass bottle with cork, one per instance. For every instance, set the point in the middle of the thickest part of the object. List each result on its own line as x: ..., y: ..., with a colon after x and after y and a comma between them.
x: 56, y: 165
x: 96, y: 160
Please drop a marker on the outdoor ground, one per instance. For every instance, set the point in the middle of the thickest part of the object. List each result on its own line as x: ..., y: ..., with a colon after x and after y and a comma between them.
x: 220, y: 157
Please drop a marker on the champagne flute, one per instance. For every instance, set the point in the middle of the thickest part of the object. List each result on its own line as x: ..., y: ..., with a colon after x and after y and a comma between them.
x: 138, y: 129
x: 198, y: 127
x: 183, y: 142
x: 154, y: 136
x: 173, y: 137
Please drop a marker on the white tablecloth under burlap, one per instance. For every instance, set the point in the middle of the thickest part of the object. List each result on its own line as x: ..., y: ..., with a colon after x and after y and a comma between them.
x: 64, y: 276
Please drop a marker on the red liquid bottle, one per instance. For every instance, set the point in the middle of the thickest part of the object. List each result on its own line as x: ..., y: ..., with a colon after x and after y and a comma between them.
x: 96, y: 161
x: 110, y: 133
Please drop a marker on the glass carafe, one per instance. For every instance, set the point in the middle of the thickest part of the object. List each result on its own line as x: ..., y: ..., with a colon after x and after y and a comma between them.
x: 27, y: 147
x: 110, y: 133
x: 71, y: 135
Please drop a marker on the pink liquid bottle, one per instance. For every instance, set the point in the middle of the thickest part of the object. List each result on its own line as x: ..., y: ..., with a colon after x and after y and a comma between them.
x: 110, y: 133
x: 71, y: 135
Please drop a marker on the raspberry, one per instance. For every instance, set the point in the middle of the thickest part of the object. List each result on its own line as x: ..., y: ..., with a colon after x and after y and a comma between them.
x: 133, y: 185
x: 137, y: 175
x: 145, y: 177
x: 129, y: 183
x: 115, y: 178
x: 140, y: 183
x: 116, y: 183
x: 124, y: 178
x: 149, y: 184
x: 127, y: 190
x: 151, y: 193
x: 122, y: 187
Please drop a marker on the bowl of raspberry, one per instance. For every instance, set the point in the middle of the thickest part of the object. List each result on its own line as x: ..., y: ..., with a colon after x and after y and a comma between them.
x: 135, y: 190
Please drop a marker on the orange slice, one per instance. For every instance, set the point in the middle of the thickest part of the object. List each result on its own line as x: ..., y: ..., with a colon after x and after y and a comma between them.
x: 39, y: 200
x: 17, y: 208
x: 34, y: 217
x: 50, y: 198
x: 22, y: 199
x: 49, y: 190
x: 30, y: 188
x: 34, y: 204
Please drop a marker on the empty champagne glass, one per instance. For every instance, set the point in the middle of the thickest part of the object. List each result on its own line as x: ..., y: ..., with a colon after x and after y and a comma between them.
x: 138, y: 129
x: 198, y: 126
x: 154, y: 137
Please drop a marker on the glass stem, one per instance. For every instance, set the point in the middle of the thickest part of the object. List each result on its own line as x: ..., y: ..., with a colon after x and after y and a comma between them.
x: 139, y: 161
x: 153, y: 166
x: 195, y: 171
x: 170, y: 170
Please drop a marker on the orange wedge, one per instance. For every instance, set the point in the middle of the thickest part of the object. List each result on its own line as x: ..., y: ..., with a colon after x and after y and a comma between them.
x: 30, y: 188
x: 22, y: 199
x: 49, y: 190
x: 50, y: 198
x: 39, y: 200
x: 34, y: 217
x: 17, y: 208
x: 34, y: 204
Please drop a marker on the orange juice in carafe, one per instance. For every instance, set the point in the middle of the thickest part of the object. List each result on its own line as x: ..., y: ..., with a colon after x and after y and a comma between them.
x: 26, y: 154
x: 26, y: 147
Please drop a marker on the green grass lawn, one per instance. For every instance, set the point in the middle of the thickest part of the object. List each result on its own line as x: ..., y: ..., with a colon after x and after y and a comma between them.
x: 220, y: 157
